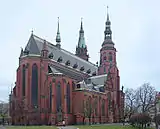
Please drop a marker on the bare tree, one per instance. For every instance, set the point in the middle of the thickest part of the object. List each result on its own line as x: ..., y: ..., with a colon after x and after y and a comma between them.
x: 89, y: 108
x: 130, y: 103
x: 3, y: 111
x: 140, y: 100
x: 145, y: 97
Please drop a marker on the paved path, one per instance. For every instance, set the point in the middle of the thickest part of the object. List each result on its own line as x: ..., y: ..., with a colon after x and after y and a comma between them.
x: 2, y: 127
x: 72, y: 127
x: 67, y: 127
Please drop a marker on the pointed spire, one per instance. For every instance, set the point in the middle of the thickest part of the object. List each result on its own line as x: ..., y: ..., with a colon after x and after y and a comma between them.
x: 81, y: 29
x: 107, y: 14
x: 81, y: 42
x: 58, y: 38
x: 108, y: 32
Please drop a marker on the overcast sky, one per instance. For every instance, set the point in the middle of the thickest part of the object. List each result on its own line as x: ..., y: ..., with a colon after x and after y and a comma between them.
x: 135, y: 26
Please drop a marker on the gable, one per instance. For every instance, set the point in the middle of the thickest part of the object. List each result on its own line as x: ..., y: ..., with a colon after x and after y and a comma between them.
x: 32, y: 46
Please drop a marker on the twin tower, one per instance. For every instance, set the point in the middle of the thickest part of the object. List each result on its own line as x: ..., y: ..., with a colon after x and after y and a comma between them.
x: 107, y: 51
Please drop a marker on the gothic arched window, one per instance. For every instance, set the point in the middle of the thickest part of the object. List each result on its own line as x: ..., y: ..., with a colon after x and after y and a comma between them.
x: 73, y: 85
x: 34, y: 85
x: 103, y: 107
x: 109, y: 100
x: 23, y: 80
x: 68, y: 98
x: 58, y: 96
x: 110, y: 56
x: 50, y: 90
x: 101, y: 59
x: 95, y: 104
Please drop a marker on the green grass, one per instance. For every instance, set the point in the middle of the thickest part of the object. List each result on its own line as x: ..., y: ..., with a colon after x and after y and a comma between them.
x: 106, y: 127
x: 31, y: 127
x: 80, y: 127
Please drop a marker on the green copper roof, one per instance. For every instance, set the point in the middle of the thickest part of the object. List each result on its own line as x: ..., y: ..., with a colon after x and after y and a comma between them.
x: 81, y: 42
x: 58, y: 37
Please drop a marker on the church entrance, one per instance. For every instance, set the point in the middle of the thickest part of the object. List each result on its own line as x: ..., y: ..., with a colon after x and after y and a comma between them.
x: 59, y: 116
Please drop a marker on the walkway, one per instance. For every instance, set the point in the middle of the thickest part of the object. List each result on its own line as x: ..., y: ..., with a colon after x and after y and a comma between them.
x: 67, y: 127
x: 2, y: 127
x: 72, y: 127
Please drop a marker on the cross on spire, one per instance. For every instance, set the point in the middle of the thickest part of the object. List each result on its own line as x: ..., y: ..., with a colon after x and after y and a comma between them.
x: 32, y: 32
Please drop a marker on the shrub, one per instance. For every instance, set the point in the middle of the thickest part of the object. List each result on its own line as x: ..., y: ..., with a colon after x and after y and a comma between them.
x: 140, y: 119
x: 157, y: 119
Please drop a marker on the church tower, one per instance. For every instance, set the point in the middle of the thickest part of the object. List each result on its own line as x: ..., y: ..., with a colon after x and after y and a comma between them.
x: 81, y: 49
x: 108, y: 51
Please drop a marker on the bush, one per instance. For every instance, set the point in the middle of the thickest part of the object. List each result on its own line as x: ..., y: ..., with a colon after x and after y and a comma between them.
x: 140, y: 120
x: 157, y: 119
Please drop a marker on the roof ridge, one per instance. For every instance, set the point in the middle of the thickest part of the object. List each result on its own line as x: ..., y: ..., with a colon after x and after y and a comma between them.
x: 65, y: 50
x: 79, y: 57
x: 43, y: 40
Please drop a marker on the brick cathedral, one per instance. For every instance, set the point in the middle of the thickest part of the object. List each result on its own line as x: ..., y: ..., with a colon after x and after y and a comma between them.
x: 54, y: 84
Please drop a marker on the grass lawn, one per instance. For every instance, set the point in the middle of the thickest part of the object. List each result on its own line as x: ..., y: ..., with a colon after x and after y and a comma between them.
x: 106, y: 127
x: 31, y: 127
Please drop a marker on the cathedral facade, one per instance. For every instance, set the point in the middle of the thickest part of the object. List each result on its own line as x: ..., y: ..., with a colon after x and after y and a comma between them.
x: 54, y: 84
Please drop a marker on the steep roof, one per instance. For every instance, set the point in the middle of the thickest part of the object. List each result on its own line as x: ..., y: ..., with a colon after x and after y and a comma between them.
x: 35, y: 45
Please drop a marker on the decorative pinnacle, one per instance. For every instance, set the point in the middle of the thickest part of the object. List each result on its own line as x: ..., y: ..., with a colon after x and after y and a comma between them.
x: 44, y: 45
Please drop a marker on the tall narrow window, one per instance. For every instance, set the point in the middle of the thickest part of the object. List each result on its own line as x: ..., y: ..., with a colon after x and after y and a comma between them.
x: 58, y: 96
x: 101, y: 59
x: 109, y: 100
x: 50, y: 87
x: 73, y: 85
x: 34, y: 85
x: 103, y: 107
x: 95, y: 104
x: 110, y: 56
x: 23, y: 80
x: 68, y: 99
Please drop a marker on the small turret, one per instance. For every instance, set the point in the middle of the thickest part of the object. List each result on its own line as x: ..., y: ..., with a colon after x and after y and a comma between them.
x: 44, y: 52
